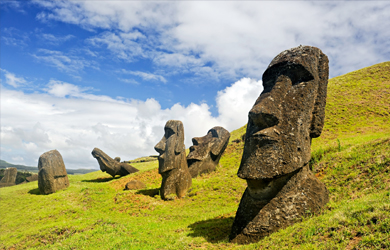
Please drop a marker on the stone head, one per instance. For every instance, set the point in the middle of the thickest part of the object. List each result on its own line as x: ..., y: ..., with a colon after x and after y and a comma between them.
x: 287, y: 115
x: 105, y: 162
x: 207, y: 150
x: 171, y: 146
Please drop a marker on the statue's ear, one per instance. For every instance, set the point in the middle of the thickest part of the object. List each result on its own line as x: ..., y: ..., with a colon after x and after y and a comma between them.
x: 318, y: 118
x: 179, y: 147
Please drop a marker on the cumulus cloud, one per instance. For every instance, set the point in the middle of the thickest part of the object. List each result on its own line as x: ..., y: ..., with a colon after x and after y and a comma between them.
x: 68, y: 118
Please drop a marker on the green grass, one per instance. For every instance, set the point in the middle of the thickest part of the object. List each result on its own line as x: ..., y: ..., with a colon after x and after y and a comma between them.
x: 96, y: 213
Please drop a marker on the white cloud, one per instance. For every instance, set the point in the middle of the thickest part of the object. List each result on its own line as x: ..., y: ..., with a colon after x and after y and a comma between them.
x: 122, y: 44
x: 12, y: 80
x: 14, y: 37
x: 56, y: 40
x: 236, y: 38
x: 145, y: 76
x: 67, y: 63
x: 130, y: 81
x: 73, y: 121
x: 234, y: 102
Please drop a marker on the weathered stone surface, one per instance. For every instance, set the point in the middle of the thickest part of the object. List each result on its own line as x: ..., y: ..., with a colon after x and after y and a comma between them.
x: 31, y: 178
x: 287, y: 115
x: 207, y: 150
x: 112, y: 166
x: 9, y: 177
x: 172, y: 163
x: 52, y: 174
x: 135, y: 184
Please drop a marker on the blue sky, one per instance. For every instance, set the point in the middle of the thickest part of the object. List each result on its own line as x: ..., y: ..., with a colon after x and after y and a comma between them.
x: 82, y: 74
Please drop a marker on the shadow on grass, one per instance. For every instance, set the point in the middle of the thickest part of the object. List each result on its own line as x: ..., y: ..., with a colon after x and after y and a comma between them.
x: 100, y: 179
x: 149, y: 192
x: 35, y: 191
x: 213, y: 230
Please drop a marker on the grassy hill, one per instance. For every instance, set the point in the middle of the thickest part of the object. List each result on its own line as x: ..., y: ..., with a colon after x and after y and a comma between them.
x: 352, y: 157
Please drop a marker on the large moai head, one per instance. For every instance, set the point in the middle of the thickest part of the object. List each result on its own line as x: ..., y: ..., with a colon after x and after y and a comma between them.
x: 52, y: 174
x: 287, y: 115
x: 207, y: 150
x: 171, y: 146
x: 172, y: 163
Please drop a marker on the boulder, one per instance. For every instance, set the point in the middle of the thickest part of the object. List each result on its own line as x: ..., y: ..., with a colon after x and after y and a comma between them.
x: 207, y: 150
x: 135, y: 184
x: 172, y: 163
x: 287, y: 115
x: 52, y: 174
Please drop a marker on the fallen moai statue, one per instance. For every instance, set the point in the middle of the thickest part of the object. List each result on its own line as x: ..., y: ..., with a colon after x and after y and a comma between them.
x: 9, y: 177
x: 112, y: 166
x: 172, y: 163
x: 52, y: 174
x: 287, y: 115
x: 207, y: 150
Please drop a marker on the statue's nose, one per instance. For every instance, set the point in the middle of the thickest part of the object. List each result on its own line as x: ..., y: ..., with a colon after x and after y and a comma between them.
x: 265, y: 113
x: 160, y: 147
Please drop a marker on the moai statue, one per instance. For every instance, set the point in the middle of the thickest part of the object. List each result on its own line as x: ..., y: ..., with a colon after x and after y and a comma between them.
x: 275, y: 163
x: 207, y: 150
x: 112, y: 166
x: 52, y: 174
x: 172, y: 163
x: 9, y: 177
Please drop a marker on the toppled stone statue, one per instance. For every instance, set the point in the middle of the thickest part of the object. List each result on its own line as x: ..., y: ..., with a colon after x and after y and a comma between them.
x: 172, y: 163
x: 112, y: 166
x: 207, y: 150
x: 9, y: 177
x: 287, y: 115
x: 52, y: 174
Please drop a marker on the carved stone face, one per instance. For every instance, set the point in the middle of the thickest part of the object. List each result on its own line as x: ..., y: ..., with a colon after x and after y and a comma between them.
x: 105, y: 162
x: 170, y: 146
x: 112, y: 166
x: 287, y: 114
x: 207, y: 150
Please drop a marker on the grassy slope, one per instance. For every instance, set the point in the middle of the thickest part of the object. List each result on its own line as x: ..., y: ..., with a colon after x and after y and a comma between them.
x: 95, y: 212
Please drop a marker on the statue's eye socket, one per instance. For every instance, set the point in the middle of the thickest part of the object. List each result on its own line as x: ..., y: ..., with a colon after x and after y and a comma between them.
x: 213, y: 133
x: 296, y: 72
x: 169, y: 132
